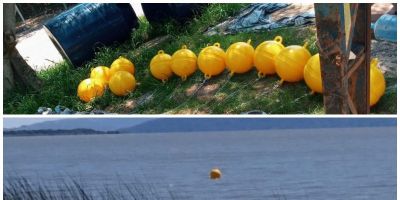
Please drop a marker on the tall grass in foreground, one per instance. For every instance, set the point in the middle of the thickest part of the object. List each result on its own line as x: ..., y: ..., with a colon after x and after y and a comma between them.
x: 23, y: 189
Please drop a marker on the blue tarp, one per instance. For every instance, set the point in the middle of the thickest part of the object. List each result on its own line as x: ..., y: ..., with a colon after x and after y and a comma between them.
x: 257, y: 17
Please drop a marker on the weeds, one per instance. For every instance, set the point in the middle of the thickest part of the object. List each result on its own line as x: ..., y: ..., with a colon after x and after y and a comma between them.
x: 22, y: 189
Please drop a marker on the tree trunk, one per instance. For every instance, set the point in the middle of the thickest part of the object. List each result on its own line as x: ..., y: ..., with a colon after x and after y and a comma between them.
x: 15, y: 69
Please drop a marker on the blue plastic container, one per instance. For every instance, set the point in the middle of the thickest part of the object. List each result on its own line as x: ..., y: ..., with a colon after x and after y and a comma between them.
x: 78, y: 32
x: 385, y: 28
x: 162, y: 12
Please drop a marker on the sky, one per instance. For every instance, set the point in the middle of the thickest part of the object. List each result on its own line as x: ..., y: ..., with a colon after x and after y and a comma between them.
x: 17, y: 122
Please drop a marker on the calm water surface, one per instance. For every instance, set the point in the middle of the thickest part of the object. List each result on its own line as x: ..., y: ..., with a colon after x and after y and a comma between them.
x: 357, y: 163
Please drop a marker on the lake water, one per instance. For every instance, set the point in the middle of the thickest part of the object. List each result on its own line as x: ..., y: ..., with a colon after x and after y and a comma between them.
x: 358, y: 163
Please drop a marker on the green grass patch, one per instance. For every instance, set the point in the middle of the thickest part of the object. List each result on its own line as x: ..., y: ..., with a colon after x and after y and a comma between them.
x: 219, y: 95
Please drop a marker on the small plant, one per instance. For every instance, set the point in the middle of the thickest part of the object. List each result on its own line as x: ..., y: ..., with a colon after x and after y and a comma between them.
x: 22, y: 189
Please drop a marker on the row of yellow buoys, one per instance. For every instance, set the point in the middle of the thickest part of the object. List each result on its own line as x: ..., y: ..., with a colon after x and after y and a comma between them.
x: 292, y: 64
x: 269, y: 57
x: 119, y: 78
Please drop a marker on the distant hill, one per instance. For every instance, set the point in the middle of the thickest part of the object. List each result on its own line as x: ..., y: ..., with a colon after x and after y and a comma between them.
x: 229, y: 124
x: 98, y: 124
x: 46, y: 132
x: 160, y: 125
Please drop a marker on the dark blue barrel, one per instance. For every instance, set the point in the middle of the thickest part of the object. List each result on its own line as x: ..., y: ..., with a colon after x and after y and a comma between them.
x: 162, y: 12
x: 79, y: 31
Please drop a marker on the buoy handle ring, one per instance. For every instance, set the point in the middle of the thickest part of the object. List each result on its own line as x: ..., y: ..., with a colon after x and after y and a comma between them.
x: 278, y: 39
x: 184, y: 78
x: 231, y: 73
x: 260, y: 75
x: 160, y: 52
x: 249, y: 41
x: 184, y: 47
x: 164, y: 80
x: 207, y: 76
x: 217, y: 44
x: 374, y: 61
x: 305, y: 45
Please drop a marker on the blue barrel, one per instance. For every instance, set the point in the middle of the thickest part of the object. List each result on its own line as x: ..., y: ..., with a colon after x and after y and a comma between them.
x: 78, y: 32
x: 385, y: 28
x: 162, y: 12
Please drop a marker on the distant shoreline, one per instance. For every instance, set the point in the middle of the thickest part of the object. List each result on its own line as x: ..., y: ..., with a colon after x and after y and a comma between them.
x: 63, y: 132
x: 51, y: 132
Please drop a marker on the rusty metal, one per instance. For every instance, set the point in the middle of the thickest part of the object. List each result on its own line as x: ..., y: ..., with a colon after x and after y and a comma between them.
x: 356, y: 65
x: 345, y: 82
x: 360, y: 78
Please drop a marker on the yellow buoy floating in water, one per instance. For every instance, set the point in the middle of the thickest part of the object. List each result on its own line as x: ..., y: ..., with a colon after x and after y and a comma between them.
x: 184, y: 62
x: 215, y: 174
x: 102, y: 73
x: 239, y: 57
x: 89, y: 89
x: 121, y: 83
x: 211, y: 60
x: 122, y: 64
x: 160, y: 66
x: 377, y: 84
x: 264, y: 56
x: 290, y: 62
x: 312, y: 74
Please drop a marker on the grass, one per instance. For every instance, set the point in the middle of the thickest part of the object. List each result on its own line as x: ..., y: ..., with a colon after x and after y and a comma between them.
x: 218, y: 95
x: 22, y: 189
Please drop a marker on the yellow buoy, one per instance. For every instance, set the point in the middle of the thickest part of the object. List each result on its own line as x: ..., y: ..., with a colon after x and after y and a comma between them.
x: 121, y: 83
x: 160, y: 66
x: 102, y: 73
x: 264, y: 56
x: 211, y: 60
x: 89, y: 89
x: 122, y: 64
x: 215, y: 174
x: 312, y: 74
x: 184, y: 62
x: 373, y: 63
x: 290, y: 62
x: 239, y: 57
x: 377, y: 83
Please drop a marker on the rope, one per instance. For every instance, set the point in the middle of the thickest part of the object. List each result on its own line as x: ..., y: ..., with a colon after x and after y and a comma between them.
x: 220, y: 88
x: 294, y: 101
x: 205, y: 80
x: 156, y: 92
x: 153, y: 94
x: 235, y: 92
